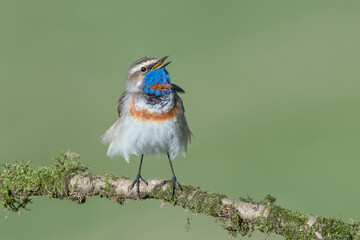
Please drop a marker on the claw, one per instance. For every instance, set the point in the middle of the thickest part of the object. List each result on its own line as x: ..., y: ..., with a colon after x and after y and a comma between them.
x: 174, y: 182
x: 137, y: 182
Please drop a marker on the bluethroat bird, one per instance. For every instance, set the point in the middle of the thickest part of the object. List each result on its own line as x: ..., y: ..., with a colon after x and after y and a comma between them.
x: 151, y: 117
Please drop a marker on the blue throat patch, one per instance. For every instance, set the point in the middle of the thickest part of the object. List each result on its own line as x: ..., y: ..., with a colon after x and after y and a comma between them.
x: 157, y: 76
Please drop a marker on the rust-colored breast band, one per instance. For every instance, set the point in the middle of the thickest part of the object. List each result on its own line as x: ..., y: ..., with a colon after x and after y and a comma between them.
x: 160, y: 87
x: 145, y: 115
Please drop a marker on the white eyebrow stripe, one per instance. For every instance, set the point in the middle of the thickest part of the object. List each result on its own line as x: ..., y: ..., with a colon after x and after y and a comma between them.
x: 137, y: 67
x: 134, y: 69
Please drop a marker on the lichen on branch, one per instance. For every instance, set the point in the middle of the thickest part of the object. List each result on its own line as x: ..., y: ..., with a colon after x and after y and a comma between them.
x: 18, y: 182
x: 67, y: 178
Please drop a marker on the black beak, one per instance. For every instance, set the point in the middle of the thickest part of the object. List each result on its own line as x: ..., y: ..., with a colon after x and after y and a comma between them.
x: 164, y: 65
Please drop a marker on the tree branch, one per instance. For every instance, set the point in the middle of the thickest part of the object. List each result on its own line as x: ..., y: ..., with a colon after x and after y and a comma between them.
x: 67, y: 178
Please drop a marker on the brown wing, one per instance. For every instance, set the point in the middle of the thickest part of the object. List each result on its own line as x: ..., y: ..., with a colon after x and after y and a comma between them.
x: 121, y: 103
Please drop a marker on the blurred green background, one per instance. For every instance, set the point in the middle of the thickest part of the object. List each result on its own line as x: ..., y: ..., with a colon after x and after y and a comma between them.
x: 272, y: 96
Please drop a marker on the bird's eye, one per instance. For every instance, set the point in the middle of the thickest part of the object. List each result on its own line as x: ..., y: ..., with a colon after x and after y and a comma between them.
x: 143, y: 69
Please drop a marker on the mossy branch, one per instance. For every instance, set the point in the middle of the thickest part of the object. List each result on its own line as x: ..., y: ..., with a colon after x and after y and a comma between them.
x: 67, y: 178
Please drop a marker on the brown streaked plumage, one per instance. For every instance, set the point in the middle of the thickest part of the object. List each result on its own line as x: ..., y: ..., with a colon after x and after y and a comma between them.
x: 121, y: 104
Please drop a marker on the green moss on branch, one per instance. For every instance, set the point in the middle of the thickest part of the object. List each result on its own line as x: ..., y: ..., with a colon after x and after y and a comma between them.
x: 67, y: 178
x: 19, y: 182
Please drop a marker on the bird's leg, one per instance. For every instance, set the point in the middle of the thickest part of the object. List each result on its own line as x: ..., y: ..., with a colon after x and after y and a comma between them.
x: 138, y: 178
x: 173, y: 180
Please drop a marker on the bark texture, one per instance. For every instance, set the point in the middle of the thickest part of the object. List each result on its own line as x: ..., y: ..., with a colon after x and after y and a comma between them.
x: 67, y: 178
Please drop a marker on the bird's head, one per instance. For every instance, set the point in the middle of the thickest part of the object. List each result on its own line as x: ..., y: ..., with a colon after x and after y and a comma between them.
x: 149, y: 75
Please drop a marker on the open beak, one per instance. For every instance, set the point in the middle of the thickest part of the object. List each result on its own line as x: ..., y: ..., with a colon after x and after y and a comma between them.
x: 159, y: 64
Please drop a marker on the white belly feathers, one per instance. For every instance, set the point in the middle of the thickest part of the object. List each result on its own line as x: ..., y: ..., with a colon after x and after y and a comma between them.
x: 141, y: 130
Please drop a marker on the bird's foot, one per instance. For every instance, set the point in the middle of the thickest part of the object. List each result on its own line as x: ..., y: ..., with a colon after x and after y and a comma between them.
x: 174, y: 182
x: 137, y: 182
